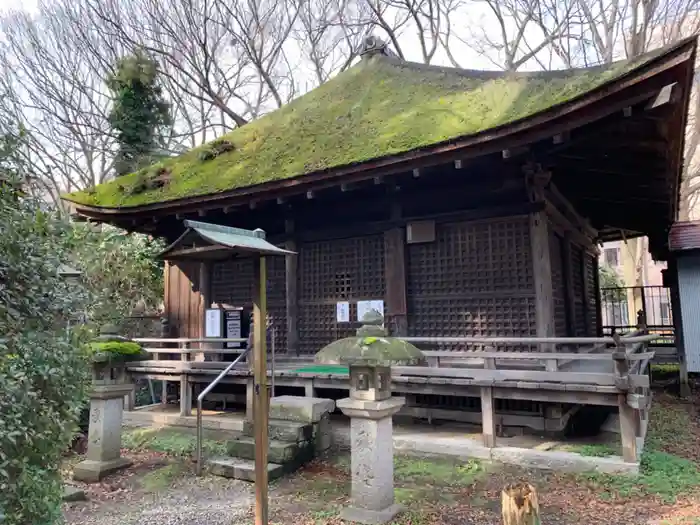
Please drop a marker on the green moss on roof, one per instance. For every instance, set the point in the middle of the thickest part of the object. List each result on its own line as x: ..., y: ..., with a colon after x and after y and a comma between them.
x: 377, y: 108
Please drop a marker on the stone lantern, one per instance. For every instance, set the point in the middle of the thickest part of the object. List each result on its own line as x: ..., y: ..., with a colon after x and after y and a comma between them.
x: 370, y: 407
x: 110, y: 383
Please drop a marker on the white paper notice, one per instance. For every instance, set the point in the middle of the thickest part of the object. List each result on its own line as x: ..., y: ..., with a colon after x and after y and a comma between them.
x: 365, y: 306
x: 342, y: 312
x: 212, y: 325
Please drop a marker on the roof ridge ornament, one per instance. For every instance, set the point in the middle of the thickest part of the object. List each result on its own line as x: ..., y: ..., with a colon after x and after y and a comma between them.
x: 374, y: 45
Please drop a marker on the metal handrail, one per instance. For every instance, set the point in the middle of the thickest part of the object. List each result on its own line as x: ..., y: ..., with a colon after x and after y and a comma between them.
x: 201, y: 397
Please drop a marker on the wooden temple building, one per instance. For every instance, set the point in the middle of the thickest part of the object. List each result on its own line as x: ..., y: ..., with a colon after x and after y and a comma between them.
x: 470, y: 203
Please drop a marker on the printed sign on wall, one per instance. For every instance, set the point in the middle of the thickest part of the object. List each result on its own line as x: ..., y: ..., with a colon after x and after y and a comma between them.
x: 342, y: 312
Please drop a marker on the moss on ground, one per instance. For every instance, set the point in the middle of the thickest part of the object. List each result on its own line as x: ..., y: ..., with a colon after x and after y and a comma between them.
x: 596, y: 450
x: 664, y: 473
x: 378, y: 108
x: 169, y: 441
x: 162, y: 478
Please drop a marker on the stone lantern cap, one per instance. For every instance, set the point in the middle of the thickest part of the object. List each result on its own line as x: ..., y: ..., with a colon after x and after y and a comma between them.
x: 370, y: 347
x: 110, y: 347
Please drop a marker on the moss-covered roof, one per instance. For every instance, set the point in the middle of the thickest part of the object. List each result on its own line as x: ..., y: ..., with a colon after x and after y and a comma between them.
x: 380, y: 107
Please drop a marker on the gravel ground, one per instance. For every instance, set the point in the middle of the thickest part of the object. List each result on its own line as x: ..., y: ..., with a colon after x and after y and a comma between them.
x: 192, y: 501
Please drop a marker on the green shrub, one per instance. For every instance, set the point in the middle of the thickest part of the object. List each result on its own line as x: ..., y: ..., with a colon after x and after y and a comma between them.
x: 43, y: 371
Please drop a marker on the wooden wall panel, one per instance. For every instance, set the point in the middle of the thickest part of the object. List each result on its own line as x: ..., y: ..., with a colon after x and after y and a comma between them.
x: 350, y: 269
x: 182, y: 299
x: 233, y: 281
x: 475, y: 279
x: 556, y: 248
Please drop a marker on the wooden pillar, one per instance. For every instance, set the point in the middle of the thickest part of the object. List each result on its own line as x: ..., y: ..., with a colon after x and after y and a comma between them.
x: 395, y: 272
x: 292, y: 298
x: 260, y: 398
x: 395, y: 275
x: 488, y: 417
x: 568, y: 274
x: 542, y: 273
x: 204, y: 303
x: 185, y: 396
x: 309, y: 390
x: 598, y: 302
x: 628, y: 429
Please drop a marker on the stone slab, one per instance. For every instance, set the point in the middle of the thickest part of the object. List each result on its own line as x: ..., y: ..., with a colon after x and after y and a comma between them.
x: 562, y: 461
x: 292, y: 431
x: 242, y: 469
x: 299, y: 408
x: 71, y: 493
x: 370, y: 517
x: 277, y: 451
x: 92, y: 471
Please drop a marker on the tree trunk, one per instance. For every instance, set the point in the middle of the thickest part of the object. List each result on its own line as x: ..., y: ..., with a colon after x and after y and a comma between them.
x: 519, y: 505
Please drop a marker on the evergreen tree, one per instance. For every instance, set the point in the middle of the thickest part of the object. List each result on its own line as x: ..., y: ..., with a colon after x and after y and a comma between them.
x: 139, y: 112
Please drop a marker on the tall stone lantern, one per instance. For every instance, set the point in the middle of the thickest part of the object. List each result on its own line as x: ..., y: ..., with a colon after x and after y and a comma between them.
x: 370, y: 407
x: 110, y: 383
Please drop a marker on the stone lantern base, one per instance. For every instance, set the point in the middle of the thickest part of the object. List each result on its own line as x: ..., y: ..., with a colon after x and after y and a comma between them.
x: 372, y: 459
x: 104, y: 436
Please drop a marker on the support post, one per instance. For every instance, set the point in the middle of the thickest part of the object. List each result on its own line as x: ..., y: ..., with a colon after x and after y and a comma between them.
x: 185, y: 396
x: 628, y: 429
x: 260, y: 398
x: 488, y: 417
x: 395, y: 271
x: 542, y: 272
x: 598, y: 303
x: 291, y: 285
x: 204, y: 303
x: 309, y: 390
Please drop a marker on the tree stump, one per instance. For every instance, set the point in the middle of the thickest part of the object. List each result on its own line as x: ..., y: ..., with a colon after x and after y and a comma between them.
x: 519, y: 505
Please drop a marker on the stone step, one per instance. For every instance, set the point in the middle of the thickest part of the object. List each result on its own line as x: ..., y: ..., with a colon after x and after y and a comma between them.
x: 290, y: 431
x: 293, y: 454
x: 299, y: 408
x: 243, y: 469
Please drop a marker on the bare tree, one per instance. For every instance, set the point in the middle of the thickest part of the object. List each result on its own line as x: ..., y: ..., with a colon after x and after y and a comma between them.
x: 56, y: 94
x: 515, y: 33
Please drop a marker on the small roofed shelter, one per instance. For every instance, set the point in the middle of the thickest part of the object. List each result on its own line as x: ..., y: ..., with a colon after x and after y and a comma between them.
x: 206, y: 242
x: 456, y: 202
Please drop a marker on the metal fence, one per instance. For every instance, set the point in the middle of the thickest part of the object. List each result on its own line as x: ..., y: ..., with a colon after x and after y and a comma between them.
x: 625, y: 308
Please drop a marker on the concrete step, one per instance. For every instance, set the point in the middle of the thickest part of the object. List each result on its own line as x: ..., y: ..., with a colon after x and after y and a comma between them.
x: 290, y: 431
x: 243, y: 469
x: 282, y: 452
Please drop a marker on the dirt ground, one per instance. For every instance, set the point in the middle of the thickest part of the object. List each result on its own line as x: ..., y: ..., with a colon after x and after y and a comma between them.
x: 161, y: 488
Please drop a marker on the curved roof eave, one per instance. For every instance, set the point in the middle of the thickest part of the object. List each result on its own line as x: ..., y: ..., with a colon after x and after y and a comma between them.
x: 587, y: 107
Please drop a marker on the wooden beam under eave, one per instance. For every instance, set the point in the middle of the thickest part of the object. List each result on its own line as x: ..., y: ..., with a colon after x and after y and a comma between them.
x: 561, y: 138
x: 668, y: 94
x: 514, y: 152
